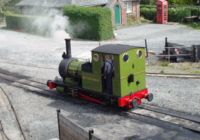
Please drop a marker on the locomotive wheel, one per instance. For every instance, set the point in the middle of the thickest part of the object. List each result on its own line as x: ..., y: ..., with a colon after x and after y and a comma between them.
x: 150, y: 97
x: 135, y: 103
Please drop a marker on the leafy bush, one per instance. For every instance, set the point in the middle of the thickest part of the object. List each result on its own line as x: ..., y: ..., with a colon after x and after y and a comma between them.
x: 171, y: 2
x: 195, y: 25
x: 89, y: 22
x: 25, y: 23
x: 18, y: 22
x: 181, y: 2
x: 1, y: 13
x: 178, y: 14
x: 148, y: 13
x: 38, y: 25
x: 150, y: 2
x: 195, y: 11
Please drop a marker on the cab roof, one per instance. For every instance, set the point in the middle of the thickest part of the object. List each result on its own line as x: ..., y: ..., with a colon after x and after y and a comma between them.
x: 114, y: 48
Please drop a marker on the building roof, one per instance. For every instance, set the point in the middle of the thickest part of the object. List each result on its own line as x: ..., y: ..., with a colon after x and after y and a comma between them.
x: 90, y: 2
x: 60, y: 3
x: 114, y: 48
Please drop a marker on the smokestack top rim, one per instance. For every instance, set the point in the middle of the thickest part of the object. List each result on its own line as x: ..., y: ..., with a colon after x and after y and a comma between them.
x: 68, y: 39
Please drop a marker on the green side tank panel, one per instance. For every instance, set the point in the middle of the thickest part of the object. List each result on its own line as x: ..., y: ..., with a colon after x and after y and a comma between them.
x: 74, y: 68
x: 60, y: 89
x: 93, y: 80
x: 116, y: 77
x: 131, y: 76
x: 129, y: 72
x: 134, y: 63
x: 71, y: 82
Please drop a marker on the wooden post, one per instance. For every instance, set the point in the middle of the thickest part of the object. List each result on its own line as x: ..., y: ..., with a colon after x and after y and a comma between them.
x: 169, y: 54
x: 146, y: 48
x: 166, y: 42
x: 195, y: 54
x: 58, y: 113
x: 167, y: 48
x: 91, y: 132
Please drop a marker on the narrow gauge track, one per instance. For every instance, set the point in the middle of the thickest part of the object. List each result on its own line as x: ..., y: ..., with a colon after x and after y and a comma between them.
x: 179, y: 119
x: 15, y: 114
x: 165, y: 116
x: 168, y: 75
x: 31, y: 66
x: 2, y: 132
x: 174, y: 75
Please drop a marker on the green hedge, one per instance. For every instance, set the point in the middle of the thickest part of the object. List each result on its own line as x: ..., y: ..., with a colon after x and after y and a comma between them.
x: 182, y: 2
x: 1, y: 14
x: 25, y: 23
x: 148, y: 13
x: 171, y: 2
x: 18, y: 22
x: 176, y: 14
x: 195, y: 11
x: 89, y: 22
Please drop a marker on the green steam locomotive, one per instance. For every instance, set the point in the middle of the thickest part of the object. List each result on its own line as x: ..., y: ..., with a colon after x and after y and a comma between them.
x: 115, y: 75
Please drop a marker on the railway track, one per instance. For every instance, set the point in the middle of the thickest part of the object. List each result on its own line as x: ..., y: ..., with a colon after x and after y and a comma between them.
x: 168, y: 75
x: 167, y: 116
x: 156, y: 113
x: 30, y: 66
x: 3, y: 135
x: 32, y: 85
x: 174, y: 75
x: 15, y: 114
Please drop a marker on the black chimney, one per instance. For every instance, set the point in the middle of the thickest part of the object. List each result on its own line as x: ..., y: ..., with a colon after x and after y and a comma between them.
x: 68, y: 48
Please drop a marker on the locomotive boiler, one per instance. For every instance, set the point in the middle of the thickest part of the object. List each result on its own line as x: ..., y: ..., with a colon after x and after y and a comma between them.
x: 115, y: 75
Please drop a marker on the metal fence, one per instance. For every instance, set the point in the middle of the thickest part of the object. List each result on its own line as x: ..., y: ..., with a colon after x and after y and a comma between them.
x: 174, y: 52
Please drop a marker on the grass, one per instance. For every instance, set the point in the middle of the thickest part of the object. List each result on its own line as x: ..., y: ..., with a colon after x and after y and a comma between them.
x: 178, y: 68
x: 133, y: 21
x: 164, y: 63
x: 162, y: 72
x: 196, y: 72
x: 194, y: 25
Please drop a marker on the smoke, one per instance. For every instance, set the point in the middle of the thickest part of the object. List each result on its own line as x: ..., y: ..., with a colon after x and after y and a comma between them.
x: 52, y: 23
x: 79, y: 28
x: 49, y: 22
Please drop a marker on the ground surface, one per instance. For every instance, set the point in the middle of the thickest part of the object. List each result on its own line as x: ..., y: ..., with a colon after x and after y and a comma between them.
x: 38, y: 114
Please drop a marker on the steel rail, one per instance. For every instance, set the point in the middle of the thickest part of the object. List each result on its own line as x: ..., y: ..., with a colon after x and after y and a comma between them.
x: 31, y: 66
x: 174, y: 113
x: 3, y: 134
x: 186, y: 122
x: 153, y: 112
x: 30, y: 85
x: 175, y: 75
x: 15, y: 113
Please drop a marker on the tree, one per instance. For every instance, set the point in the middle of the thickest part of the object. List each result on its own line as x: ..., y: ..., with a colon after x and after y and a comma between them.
x: 3, y: 3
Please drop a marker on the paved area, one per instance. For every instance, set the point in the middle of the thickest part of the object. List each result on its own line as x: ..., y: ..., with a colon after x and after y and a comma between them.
x: 156, y: 33
x: 23, y: 49
x: 8, y: 119
x: 37, y: 116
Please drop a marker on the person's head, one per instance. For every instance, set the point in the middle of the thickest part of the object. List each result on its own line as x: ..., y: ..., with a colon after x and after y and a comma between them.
x: 107, y: 57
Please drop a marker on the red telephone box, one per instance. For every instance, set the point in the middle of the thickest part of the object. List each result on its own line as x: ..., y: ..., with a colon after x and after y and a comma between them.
x: 162, y: 11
